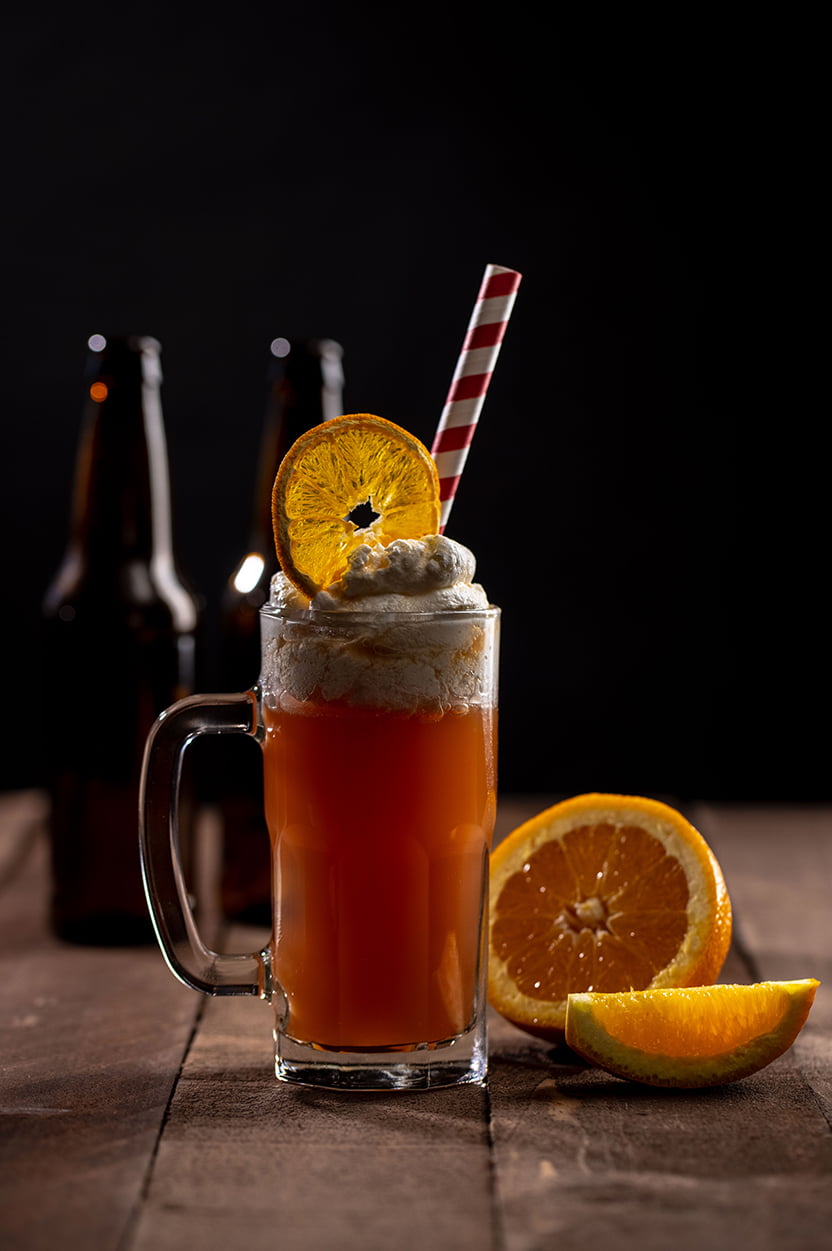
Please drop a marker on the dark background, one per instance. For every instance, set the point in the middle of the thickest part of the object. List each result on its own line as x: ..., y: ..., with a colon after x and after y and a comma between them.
x: 646, y: 490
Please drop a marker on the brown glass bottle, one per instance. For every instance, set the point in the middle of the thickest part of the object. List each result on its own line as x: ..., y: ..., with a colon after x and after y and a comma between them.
x: 304, y: 388
x: 120, y: 642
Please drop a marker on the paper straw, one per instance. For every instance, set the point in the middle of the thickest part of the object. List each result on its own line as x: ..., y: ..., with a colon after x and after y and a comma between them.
x: 472, y: 375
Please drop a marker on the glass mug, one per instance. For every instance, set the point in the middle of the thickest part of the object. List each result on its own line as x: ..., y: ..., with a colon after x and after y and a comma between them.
x: 378, y: 734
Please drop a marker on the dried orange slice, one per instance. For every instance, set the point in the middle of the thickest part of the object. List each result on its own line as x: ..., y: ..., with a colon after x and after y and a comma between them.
x: 334, y: 472
x: 601, y: 893
x: 700, y: 1036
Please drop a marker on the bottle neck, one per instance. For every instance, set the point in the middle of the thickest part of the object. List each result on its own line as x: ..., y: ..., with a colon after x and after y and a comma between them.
x: 121, y: 499
x: 305, y: 389
x: 121, y: 515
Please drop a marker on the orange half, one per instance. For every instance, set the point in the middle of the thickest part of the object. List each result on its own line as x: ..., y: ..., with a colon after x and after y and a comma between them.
x: 601, y: 893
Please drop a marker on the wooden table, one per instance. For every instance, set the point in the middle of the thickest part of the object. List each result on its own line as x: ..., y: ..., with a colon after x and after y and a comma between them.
x: 137, y: 1116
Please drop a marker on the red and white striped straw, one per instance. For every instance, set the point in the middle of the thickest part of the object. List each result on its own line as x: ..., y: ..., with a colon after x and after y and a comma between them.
x: 472, y: 375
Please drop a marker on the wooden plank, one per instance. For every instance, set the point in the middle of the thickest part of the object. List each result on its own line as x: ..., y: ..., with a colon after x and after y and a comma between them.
x: 778, y: 866
x: 582, y: 1158
x: 91, y: 1043
x: 248, y: 1161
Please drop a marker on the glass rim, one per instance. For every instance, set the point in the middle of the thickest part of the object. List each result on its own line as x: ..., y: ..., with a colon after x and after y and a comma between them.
x: 341, y: 617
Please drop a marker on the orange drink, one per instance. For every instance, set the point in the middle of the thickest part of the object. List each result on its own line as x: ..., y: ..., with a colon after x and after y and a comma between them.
x: 378, y: 733
x: 381, y: 824
x: 379, y: 758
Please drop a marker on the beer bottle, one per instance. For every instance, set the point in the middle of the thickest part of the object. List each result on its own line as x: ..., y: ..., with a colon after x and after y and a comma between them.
x: 120, y: 638
x: 305, y: 384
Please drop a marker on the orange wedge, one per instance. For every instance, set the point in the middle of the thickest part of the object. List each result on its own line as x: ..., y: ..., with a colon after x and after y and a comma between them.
x: 356, y: 462
x: 701, y: 1036
x: 601, y: 893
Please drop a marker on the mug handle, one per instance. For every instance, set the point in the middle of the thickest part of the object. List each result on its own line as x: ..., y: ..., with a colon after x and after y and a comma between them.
x: 210, y: 972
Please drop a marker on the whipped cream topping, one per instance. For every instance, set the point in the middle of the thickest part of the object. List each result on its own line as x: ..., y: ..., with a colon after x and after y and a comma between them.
x: 385, y: 662
x: 432, y: 574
